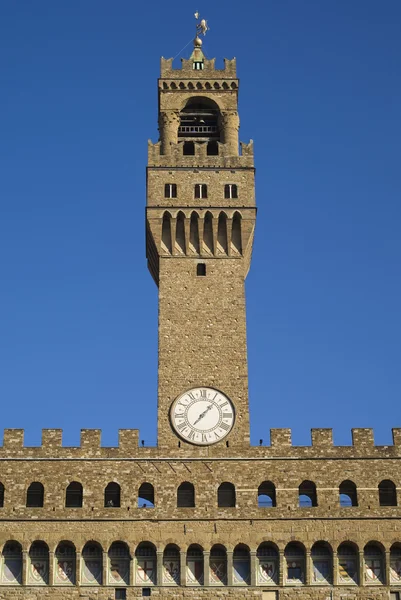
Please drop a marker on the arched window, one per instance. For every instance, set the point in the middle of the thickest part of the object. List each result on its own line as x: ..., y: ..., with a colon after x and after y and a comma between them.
x: 166, y: 233
x: 322, y: 572
x: 194, y: 565
x: 226, y: 495
x: 208, y: 245
x: 112, y: 495
x: 347, y: 564
x: 395, y: 564
x: 186, y: 495
x: 348, y: 494
x: 92, y: 564
x: 35, y: 495
x: 267, y: 572
x: 200, y: 190
x: 146, y: 496
x: 307, y: 494
x: 374, y: 564
x: 194, y: 233
x: 38, y: 567
x: 11, y: 564
x: 65, y: 557
x: 1, y: 495
x: 212, y: 149
x: 146, y: 569
x: 119, y: 562
x: 73, y: 495
x: 387, y: 493
x: 218, y: 565
x: 171, y: 565
x: 295, y: 562
x: 241, y: 565
x: 266, y: 495
x: 236, y: 237
x: 230, y: 191
x: 188, y: 149
x: 199, y: 119
x: 180, y: 245
x: 222, y: 241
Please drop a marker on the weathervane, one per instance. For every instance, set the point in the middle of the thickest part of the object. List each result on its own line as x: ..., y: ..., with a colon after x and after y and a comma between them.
x: 202, y: 26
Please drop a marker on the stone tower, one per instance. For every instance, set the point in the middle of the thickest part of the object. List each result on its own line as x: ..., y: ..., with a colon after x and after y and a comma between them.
x: 200, y: 226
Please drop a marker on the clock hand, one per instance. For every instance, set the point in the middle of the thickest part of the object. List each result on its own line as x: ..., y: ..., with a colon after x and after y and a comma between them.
x: 203, y: 414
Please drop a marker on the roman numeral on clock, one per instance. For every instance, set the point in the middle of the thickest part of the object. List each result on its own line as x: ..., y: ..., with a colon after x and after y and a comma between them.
x: 225, y: 426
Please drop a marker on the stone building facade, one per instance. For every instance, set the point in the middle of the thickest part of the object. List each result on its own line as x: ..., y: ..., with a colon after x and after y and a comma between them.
x: 203, y: 515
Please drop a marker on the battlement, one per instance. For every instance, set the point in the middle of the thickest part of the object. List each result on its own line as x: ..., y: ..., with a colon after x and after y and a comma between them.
x: 129, y: 446
x: 200, y: 158
x: 167, y: 70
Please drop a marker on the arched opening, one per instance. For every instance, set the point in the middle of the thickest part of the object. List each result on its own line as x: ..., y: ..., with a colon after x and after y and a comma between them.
x: 188, y: 149
x: 241, y: 565
x: 374, y: 564
x: 194, y: 233
x: 295, y: 563
x: 307, y: 494
x: 218, y: 565
x: 222, y: 242
x: 208, y: 233
x: 387, y: 493
x: 186, y: 495
x: 395, y: 564
x: 194, y: 575
x: 146, y: 569
x: 199, y: 119
x: 180, y: 233
x: 92, y: 564
x: 267, y: 564
x: 266, y: 495
x: 322, y: 563
x: 212, y: 148
x: 166, y: 233
x: 146, y: 496
x: 171, y: 565
x: 11, y: 564
x: 1, y: 495
x: 348, y: 494
x: 226, y: 495
x: 73, y: 495
x: 347, y: 563
x: 118, y: 564
x: 112, y: 495
x: 65, y: 561
x: 236, y: 238
x: 35, y: 495
x: 38, y: 567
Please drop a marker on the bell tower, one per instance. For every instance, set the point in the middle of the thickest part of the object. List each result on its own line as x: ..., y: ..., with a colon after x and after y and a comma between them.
x: 200, y: 219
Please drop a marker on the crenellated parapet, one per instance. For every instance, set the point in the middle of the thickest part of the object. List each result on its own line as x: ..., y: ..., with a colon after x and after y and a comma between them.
x: 130, y: 446
x: 167, y: 71
x: 172, y: 155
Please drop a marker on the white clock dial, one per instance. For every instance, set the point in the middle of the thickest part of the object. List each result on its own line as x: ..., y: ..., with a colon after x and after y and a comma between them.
x: 202, y: 416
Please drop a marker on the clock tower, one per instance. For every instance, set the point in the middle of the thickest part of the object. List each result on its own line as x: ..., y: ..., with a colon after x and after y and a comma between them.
x: 200, y: 220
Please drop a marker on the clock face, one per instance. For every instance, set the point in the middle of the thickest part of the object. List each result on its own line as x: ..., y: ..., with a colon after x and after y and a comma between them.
x: 202, y: 416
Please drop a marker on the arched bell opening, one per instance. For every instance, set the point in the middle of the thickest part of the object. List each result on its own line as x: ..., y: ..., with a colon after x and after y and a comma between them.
x: 199, y: 120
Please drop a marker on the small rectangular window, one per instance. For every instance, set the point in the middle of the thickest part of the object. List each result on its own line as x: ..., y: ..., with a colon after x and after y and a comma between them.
x: 201, y: 270
x: 201, y: 190
x: 230, y: 191
x: 170, y: 190
x: 121, y: 594
x: 145, y: 592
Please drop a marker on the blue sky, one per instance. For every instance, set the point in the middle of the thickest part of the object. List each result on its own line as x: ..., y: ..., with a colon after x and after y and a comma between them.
x: 320, y: 95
